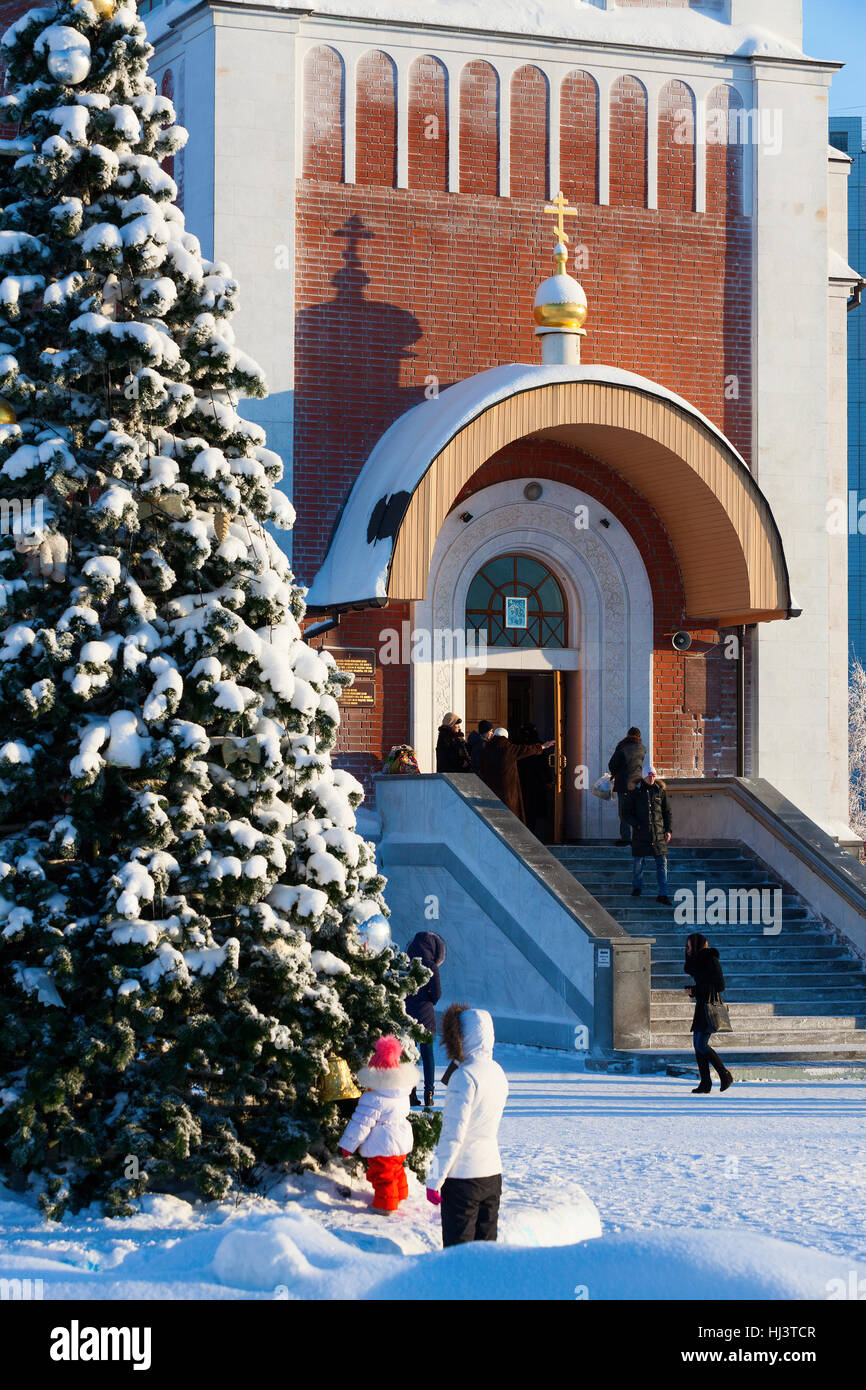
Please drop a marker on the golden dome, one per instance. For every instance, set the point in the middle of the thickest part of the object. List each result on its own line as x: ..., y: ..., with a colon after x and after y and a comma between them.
x: 560, y: 301
x: 7, y: 414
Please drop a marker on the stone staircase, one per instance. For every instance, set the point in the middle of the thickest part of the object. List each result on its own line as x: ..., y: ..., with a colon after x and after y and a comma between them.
x: 798, y: 994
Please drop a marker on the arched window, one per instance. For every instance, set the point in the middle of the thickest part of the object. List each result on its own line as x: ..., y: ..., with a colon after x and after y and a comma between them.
x: 518, y: 603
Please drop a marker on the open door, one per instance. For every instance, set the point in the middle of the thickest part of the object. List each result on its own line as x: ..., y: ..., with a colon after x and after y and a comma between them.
x: 559, y: 757
x: 486, y: 698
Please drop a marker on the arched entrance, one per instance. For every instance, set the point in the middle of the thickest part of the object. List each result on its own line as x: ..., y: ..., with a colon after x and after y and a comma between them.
x: 720, y: 524
x: 603, y: 668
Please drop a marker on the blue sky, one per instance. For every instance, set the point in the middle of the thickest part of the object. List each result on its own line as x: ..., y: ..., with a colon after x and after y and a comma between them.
x: 837, y: 29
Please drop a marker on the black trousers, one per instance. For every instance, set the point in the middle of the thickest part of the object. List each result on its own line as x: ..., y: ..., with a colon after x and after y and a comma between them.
x: 470, y: 1209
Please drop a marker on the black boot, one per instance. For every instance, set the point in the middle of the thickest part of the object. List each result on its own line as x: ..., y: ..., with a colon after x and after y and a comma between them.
x: 428, y: 1097
x: 413, y: 1099
x: 706, y: 1084
x: 725, y: 1078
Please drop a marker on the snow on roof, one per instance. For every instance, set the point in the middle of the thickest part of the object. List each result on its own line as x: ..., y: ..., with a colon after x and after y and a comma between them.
x: 356, y: 566
x: 575, y: 19
x: 578, y: 20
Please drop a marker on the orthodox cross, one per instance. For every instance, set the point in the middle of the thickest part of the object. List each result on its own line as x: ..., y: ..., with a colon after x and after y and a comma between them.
x: 561, y: 210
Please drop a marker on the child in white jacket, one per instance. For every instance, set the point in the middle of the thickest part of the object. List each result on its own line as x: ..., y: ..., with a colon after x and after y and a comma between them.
x: 380, y: 1124
x: 466, y: 1174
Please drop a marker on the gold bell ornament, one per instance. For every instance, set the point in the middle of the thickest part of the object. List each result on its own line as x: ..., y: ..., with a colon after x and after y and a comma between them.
x: 221, y: 523
x: 338, y: 1083
x: 104, y: 8
x: 7, y: 414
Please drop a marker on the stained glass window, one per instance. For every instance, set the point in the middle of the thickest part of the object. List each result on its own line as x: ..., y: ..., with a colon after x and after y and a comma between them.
x: 518, y: 602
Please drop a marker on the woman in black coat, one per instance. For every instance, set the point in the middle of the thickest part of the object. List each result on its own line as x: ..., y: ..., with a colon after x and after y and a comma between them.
x: 702, y: 963
x: 429, y: 948
x: 452, y: 754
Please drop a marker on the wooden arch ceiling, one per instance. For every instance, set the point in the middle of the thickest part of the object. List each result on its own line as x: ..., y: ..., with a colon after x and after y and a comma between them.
x: 720, y: 524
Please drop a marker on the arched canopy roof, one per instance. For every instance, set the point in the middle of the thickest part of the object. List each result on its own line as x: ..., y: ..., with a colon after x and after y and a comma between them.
x: 720, y: 524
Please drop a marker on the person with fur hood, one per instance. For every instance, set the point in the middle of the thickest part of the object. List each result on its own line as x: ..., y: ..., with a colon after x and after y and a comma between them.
x: 465, y: 1178
x: 380, y: 1125
x: 647, y: 811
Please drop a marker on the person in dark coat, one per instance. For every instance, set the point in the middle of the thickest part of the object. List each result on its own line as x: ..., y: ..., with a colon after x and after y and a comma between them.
x: 499, y: 759
x: 452, y: 755
x: 702, y: 963
x: 476, y: 741
x: 535, y: 778
x: 647, y: 811
x: 625, y: 769
x: 429, y: 948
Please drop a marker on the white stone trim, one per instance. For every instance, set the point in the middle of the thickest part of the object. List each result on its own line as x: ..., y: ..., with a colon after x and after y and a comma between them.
x: 610, y: 624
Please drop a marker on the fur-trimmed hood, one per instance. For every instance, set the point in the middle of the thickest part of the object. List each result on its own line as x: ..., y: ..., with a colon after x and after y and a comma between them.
x: 388, y: 1080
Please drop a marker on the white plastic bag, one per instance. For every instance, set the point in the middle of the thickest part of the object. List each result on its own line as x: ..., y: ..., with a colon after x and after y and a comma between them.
x: 602, y: 788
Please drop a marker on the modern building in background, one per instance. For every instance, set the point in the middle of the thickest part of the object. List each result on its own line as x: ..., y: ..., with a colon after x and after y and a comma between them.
x: 846, y: 134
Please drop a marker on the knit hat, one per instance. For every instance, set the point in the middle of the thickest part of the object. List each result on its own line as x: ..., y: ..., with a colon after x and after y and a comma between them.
x: 647, y: 769
x: 386, y: 1053
x: 449, y: 720
x: 485, y: 726
x: 500, y: 732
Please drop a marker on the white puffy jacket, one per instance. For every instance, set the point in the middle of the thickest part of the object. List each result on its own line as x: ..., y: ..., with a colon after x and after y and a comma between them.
x: 474, y: 1103
x: 380, y: 1125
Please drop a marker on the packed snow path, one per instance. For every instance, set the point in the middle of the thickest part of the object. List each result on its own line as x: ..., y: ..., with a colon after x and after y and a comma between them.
x: 770, y: 1162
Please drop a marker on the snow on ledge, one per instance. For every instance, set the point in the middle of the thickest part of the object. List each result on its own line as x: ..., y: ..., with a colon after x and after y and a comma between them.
x: 355, y: 568
x: 577, y: 20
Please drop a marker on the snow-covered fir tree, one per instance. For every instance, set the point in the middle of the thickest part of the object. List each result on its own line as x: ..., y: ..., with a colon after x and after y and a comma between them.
x: 185, y: 897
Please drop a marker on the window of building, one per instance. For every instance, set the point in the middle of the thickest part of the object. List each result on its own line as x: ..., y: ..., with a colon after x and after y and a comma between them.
x: 517, y: 601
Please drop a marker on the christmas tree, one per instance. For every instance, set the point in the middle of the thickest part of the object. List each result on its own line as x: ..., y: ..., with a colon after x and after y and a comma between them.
x: 191, y: 929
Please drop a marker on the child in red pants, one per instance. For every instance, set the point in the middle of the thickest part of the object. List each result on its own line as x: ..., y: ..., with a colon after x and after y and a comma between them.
x: 380, y: 1126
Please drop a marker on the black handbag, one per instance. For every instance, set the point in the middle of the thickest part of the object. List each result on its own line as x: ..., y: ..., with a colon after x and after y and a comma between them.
x: 718, y: 1018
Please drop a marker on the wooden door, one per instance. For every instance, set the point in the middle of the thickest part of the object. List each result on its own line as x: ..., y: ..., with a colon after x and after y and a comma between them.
x: 486, y: 698
x: 560, y: 758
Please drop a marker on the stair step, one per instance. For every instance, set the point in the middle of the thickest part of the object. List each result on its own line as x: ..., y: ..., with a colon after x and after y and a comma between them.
x: 771, y: 949
x: 673, y: 1016
x: 781, y: 979
x: 729, y: 1041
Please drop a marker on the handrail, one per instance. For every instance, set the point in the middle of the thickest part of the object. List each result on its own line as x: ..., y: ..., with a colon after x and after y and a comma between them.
x: 585, y: 910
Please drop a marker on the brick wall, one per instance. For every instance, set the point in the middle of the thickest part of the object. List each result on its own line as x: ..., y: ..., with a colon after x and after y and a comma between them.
x: 529, y: 102
x: 479, y: 130
x: 628, y: 139
x: 578, y: 153
x: 428, y: 125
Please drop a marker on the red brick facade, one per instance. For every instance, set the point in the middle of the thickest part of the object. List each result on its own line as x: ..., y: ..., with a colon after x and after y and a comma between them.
x: 399, y: 288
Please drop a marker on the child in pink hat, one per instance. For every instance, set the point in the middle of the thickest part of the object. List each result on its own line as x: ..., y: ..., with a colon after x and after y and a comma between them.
x: 380, y: 1126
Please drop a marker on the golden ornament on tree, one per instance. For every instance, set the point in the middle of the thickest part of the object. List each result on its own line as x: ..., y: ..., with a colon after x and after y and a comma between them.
x: 104, y: 8
x: 221, y: 522
x: 7, y: 414
x: 338, y: 1084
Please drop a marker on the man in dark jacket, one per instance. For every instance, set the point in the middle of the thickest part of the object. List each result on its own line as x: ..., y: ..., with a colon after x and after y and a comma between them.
x: 476, y: 741
x: 647, y: 811
x: 499, y: 759
x: 452, y: 755
x: 429, y: 948
x: 625, y: 769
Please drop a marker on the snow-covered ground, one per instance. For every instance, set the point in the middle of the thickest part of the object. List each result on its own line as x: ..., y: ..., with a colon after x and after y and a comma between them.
x: 615, y: 1187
